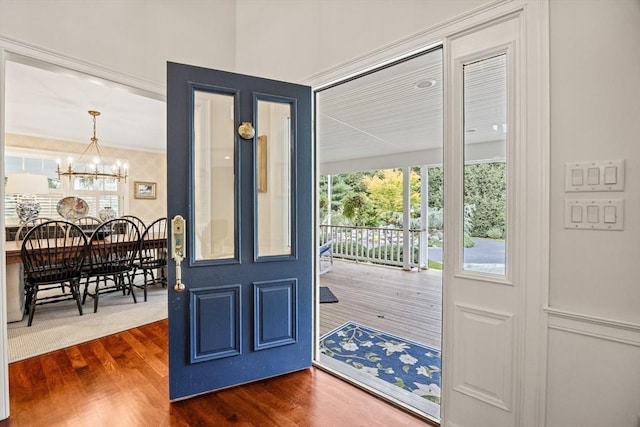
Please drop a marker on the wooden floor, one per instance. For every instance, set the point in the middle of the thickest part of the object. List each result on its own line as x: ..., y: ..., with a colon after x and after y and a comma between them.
x: 403, y: 303
x: 121, y: 380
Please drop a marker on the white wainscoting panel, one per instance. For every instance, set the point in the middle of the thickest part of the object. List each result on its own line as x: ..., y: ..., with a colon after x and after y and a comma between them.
x: 594, y: 326
x: 483, y: 355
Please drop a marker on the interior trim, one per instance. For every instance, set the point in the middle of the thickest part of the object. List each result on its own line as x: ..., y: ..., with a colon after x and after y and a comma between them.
x: 594, y: 326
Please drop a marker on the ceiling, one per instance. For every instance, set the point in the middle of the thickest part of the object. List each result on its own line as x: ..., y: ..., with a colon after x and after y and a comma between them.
x: 399, y: 109
x: 54, y: 104
x: 396, y: 110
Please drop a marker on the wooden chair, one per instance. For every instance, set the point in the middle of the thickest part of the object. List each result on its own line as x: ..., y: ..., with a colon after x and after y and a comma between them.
x: 27, y: 226
x: 137, y: 221
x: 153, y: 255
x: 88, y: 224
x: 113, y: 246
x: 50, y: 260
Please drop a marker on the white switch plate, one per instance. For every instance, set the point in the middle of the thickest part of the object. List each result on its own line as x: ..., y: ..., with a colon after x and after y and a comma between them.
x: 594, y: 214
x: 607, y: 175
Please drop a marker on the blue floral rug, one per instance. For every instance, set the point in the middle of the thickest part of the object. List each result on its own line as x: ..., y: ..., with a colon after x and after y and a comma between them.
x: 411, y: 366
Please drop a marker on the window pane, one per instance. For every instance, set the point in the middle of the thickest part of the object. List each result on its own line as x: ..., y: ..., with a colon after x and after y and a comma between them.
x: 485, y: 177
x: 214, y: 178
x: 273, y: 178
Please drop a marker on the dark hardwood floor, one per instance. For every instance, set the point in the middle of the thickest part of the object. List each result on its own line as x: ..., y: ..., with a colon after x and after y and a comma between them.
x: 122, y: 380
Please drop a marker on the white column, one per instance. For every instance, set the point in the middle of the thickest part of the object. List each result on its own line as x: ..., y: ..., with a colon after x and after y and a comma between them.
x: 406, y: 217
x: 424, y: 217
x: 329, y: 198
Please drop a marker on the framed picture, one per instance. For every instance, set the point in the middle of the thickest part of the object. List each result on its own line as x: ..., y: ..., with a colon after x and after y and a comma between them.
x: 144, y: 190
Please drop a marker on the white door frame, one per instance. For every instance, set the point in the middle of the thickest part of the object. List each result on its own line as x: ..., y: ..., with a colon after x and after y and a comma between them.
x: 529, y: 374
x: 11, y: 49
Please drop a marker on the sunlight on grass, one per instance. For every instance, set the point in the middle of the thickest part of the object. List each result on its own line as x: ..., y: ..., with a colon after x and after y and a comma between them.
x: 435, y: 265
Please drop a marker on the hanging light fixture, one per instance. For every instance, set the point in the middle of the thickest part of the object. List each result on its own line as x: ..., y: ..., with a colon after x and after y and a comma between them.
x: 96, y: 167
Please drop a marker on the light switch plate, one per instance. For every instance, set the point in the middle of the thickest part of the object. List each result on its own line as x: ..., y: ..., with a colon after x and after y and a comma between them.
x: 594, y: 214
x: 607, y: 175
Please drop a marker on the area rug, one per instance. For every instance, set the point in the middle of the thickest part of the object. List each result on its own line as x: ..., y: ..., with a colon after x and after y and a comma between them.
x: 59, y: 325
x: 326, y: 296
x: 408, y: 366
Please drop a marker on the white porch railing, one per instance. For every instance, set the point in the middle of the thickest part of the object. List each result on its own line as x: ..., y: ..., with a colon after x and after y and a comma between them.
x: 375, y: 245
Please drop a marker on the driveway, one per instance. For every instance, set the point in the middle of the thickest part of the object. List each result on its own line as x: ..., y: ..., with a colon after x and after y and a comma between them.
x: 485, y: 251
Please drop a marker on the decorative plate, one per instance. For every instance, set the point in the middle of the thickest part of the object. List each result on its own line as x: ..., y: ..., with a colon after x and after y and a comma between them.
x: 72, y: 208
x: 107, y: 214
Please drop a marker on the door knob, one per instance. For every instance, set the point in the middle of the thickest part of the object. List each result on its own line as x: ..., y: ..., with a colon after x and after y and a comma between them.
x: 246, y: 131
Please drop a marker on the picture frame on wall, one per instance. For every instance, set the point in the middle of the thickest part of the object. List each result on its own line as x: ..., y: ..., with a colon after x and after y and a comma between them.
x: 144, y: 190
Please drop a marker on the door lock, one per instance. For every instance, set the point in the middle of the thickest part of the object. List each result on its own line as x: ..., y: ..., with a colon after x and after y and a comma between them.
x: 178, y: 226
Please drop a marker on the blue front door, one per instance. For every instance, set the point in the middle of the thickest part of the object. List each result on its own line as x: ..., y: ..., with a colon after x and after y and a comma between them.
x: 239, y: 169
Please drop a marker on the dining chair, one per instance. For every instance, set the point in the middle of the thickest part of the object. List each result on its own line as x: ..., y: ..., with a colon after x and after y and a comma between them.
x: 152, y: 260
x: 112, y: 248
x: 136, y: 270
x: 137, y: 221
x: 52, y: 257
x: 88, y: 223
x: 27, y: 226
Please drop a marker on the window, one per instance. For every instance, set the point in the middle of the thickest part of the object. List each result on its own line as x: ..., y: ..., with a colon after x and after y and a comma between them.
x: 98, y: 193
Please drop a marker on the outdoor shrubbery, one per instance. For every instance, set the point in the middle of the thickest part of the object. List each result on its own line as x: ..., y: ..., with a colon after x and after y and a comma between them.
x: 374, y: 199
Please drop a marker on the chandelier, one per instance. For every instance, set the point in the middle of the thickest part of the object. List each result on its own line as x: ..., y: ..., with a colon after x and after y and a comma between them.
x: 95, y: 167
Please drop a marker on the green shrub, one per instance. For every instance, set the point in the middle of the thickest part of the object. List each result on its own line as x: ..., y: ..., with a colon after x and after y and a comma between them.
x: 468, y: 241
x: 494, y: 233
x: 352, y: 249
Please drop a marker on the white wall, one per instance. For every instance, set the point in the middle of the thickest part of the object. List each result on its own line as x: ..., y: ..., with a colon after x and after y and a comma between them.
x: 292, y: 40
x: 133, y: 36
x: 594, y: 355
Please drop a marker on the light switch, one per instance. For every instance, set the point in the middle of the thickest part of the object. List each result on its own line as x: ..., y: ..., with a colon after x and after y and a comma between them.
x: 611, y: 175
x: 577, y: 177
x: 593, y: 214
x: 610, y: 215
x: 576, y: 213
x: 593, y: 176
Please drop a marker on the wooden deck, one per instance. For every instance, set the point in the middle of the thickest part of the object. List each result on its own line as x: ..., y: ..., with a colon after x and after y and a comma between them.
x: 403, y: 303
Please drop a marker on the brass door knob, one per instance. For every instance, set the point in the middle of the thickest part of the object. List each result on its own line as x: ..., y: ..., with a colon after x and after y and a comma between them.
x: 246, y: 131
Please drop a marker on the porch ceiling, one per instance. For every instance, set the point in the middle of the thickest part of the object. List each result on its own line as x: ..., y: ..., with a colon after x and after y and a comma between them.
x: 394, y: 117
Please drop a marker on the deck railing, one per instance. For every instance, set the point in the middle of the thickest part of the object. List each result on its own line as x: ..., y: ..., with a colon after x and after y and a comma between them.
x: 373, y: 244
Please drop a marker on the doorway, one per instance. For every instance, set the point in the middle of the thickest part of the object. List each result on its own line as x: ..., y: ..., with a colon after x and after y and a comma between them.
x: 379, y: 141
x: 46, y: 122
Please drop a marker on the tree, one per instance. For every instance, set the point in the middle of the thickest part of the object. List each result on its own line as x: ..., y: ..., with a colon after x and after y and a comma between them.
x: 385, y: 193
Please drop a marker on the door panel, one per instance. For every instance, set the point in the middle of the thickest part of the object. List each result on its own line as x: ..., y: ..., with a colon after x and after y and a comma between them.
x: 245, y: 312
x: 483, y: 308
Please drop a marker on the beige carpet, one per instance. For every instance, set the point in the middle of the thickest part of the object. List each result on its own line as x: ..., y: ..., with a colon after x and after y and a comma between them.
x: 59, y: 325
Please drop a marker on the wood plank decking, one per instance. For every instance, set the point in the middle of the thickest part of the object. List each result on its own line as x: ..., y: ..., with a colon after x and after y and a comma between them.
x: 403, y: 303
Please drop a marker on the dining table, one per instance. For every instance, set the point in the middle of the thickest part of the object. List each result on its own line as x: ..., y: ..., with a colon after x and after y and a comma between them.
x: 15, y: 278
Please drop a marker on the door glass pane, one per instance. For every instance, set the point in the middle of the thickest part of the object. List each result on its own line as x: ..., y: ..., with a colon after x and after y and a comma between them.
x: 273, y: 178
x: 485, y: 165
x: 213, y: 170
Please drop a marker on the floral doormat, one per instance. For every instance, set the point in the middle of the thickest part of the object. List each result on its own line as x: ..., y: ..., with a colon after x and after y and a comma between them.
x: 411, y: 366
